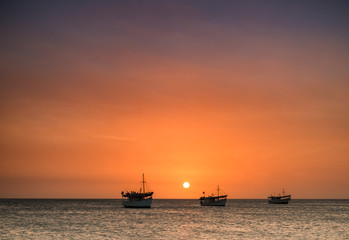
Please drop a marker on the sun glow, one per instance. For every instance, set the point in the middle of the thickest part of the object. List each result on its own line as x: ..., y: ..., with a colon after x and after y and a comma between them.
x: 186, y: 185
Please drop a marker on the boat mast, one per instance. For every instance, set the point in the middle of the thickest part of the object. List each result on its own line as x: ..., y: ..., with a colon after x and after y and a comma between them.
x: 143, y: 184
x: 218, y: 190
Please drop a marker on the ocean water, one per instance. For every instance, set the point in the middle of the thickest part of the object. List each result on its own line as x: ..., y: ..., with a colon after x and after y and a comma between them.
x: 173, y: 219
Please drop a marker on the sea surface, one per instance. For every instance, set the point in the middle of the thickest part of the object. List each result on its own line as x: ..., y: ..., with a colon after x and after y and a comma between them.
x: 173, y: 219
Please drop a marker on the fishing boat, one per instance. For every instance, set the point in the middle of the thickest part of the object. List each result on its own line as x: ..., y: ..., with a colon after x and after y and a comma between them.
x: 141, y: 199
x: 280, y: 199
x: 212, y: 200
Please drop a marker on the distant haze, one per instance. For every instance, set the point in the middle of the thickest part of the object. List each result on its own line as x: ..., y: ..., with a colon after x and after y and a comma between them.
x: 248, y: 95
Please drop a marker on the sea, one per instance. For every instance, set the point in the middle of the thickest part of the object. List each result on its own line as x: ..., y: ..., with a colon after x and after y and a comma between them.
x: 172, y: 219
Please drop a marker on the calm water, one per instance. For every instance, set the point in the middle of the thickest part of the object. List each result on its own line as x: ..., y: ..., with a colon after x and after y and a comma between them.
x: 173, y: 219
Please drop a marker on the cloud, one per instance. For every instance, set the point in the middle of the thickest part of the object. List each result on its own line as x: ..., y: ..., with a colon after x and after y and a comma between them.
x: 117, y: 138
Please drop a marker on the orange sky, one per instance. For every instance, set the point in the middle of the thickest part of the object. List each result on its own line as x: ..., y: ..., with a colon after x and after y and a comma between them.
x: 91, y: 99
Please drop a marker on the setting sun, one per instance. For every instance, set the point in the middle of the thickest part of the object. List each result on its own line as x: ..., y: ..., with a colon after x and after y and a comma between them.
x: 186, y: 185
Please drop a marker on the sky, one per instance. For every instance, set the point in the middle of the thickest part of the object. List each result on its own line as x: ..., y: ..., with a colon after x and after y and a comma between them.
x: 248, y: 95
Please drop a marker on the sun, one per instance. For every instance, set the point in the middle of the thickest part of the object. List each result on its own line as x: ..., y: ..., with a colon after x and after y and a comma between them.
x: 186, y: 185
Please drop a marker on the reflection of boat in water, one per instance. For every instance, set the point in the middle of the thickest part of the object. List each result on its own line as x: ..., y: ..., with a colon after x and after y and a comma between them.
x: 281, y: 199
x: 141, y: 199
x: 212, y: 200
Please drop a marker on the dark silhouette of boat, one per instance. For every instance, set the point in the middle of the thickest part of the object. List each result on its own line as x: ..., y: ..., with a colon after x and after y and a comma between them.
x: 141, y: 199
x: 280, y: 199
x: 213, y: 200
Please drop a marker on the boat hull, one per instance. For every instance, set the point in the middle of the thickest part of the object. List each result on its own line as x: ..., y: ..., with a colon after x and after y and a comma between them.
x: 220, y: 202
x: 279, y: 201
x: 143, y: 203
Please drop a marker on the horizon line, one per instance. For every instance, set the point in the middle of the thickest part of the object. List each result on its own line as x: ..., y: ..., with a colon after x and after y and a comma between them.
x: 35, y: 198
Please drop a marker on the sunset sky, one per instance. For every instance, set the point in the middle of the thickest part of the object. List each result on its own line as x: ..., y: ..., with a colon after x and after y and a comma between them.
x: 250, y: 95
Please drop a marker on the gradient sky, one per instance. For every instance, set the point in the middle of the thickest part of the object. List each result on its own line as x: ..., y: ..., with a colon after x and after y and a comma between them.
x: 250, y: 95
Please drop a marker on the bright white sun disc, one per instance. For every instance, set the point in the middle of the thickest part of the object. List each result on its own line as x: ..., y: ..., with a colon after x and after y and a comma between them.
x: 186, y: 185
